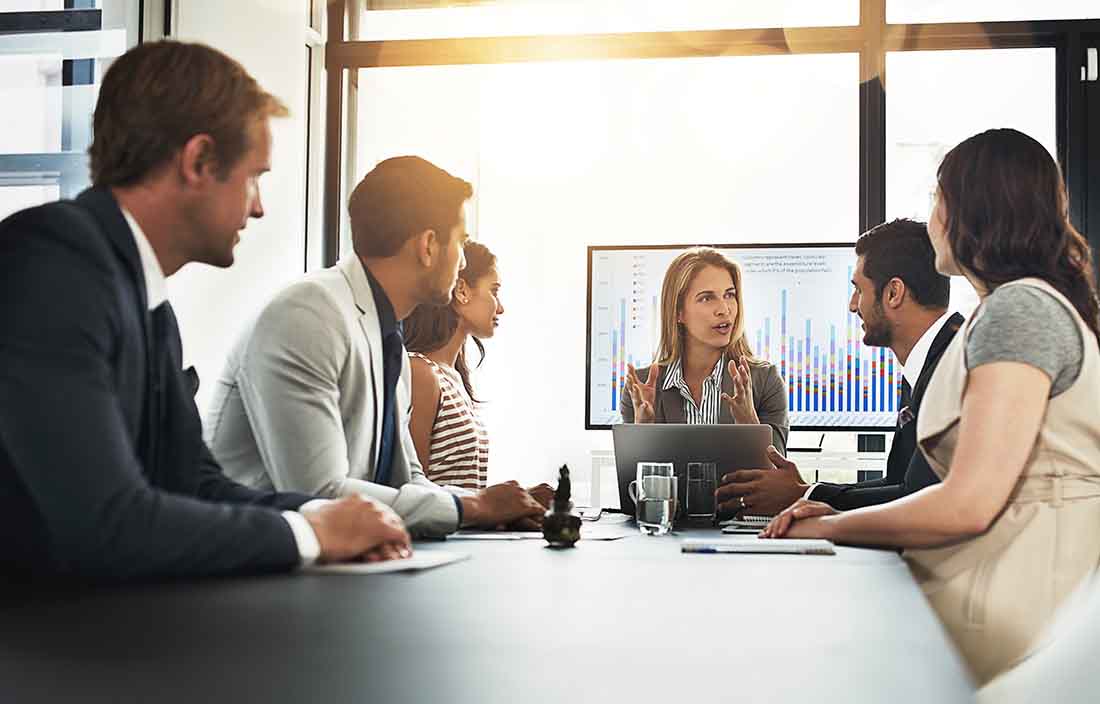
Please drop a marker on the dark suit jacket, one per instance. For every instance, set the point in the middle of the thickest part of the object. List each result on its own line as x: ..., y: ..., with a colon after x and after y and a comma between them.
x: 906, y: 469
x: 103, y: 471
x: 769, y: 399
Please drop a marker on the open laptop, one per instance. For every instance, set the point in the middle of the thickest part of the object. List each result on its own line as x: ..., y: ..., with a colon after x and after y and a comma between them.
x: 731, y: 447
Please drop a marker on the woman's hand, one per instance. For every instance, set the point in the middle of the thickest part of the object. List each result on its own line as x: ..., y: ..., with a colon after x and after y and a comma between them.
x: 801, y: 520
x: 644, y: 395
x: 740, y: 402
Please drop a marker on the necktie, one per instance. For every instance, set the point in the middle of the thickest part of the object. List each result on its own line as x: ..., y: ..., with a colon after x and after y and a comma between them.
x: 392, y: 352
x: 905, y: 415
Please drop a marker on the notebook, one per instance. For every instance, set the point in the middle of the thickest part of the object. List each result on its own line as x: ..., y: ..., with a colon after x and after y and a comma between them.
x: 757, y: 546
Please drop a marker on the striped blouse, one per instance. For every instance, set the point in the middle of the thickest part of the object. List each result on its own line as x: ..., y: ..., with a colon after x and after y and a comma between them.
x: 458, y: 454
x: 706, y: 413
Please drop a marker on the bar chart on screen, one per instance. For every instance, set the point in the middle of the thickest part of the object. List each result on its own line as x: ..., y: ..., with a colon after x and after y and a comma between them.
x: 796, y: 317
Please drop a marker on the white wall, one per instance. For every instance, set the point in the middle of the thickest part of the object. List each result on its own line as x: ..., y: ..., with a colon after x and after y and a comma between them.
x: 267, y: 37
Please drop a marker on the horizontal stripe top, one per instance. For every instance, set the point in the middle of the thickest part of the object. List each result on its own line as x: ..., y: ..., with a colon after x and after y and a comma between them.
x: 458, y: 453
x: 706, y: 412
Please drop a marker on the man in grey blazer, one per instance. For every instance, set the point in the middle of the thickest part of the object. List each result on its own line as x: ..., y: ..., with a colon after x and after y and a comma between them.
x: 316, y: 392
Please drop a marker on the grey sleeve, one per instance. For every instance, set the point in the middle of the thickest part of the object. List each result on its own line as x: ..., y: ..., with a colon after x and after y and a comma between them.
x: 1028, y: 325
x: 771, y: 407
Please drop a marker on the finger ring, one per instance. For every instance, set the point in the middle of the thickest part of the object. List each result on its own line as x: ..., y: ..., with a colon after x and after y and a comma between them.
x: 743, y: 502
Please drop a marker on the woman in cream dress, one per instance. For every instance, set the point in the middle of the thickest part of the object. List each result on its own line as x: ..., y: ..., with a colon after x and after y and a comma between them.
x: 1009, y: 421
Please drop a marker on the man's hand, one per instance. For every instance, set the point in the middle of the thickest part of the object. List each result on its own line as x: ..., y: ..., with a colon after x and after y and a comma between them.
x: 354, y: 528
x: 543, y: 493
x: 760, y: 492
x: 644, y: 396
x: 500, y: 505
x: 805, y: 519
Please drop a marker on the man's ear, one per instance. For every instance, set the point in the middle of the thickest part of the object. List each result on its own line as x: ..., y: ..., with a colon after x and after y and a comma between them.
x: 426, y: 246
x: 197, y: 159
x: 894, y: 294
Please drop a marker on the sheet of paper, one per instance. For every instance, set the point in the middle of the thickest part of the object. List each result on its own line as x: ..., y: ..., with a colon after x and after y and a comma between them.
x: 419, y: 561
x: 613, y: 531
x: 589, y: 531
x: 495, y: 535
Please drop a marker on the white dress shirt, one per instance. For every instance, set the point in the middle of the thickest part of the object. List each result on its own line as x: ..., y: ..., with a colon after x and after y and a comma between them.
x: 309, y: 548
x: 914, y: 363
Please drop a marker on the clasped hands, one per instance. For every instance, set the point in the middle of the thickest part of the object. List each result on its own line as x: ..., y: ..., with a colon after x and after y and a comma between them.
x: 359, y: 528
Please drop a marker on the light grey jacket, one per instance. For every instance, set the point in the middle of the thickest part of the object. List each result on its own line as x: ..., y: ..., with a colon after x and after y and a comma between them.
x: 769, y: 399
x: 298, y: 405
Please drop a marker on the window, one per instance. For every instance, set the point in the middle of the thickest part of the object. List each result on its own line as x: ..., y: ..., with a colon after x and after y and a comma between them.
x: 936, y: 99
x: 52, y: 57
x: 684, y: 123
x: 926, y: 11
x: 567, y: 154
x: 422, y: 19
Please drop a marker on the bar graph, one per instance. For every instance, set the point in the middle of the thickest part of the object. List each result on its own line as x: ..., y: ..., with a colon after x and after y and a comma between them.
x: 826, y: 378
x: 796, y: 318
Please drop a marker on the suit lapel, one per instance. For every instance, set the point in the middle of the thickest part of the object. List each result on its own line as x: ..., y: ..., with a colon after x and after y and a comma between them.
x: 670, y: 406
x: 104, y: 208
x: 100, y: 203
x: 725, y: 417
x: 352, y: 269
x: 935, y: 351
x: 905, y: 439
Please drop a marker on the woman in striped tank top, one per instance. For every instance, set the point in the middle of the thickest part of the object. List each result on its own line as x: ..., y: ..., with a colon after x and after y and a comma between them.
x: 450, y: 437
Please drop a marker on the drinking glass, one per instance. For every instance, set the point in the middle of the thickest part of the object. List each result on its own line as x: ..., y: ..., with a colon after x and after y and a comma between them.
x: 654, y: 495
x: 702, y: 480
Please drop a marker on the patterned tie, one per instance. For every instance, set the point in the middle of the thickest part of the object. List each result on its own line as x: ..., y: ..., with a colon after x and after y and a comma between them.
x: 905, y: 415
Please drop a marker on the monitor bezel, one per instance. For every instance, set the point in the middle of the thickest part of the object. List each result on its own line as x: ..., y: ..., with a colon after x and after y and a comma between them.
x: 588, y: 425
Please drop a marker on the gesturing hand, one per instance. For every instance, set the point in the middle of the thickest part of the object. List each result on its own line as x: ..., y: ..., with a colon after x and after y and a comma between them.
x: 740, y: 402
x: 354, y: 528
x: 644, y: 395
x: 761, y: 492
x: 801, y: 520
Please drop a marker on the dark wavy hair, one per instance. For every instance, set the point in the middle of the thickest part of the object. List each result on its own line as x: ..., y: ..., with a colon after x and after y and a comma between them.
x: 1007, y: 217
x: 430, y: 327
x: 901, y: 249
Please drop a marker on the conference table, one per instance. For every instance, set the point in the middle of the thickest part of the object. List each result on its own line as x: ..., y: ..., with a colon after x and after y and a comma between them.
x: 631, y: 620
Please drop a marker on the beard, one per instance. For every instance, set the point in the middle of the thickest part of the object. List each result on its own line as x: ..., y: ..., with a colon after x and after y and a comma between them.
x: 878, y: 331
x: 440, y: 291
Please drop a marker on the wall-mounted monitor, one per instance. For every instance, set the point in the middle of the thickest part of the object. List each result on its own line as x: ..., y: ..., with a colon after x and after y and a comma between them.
x: 796, y: 317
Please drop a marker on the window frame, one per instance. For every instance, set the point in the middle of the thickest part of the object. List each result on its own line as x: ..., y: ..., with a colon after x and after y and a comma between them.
x: 872, y: 38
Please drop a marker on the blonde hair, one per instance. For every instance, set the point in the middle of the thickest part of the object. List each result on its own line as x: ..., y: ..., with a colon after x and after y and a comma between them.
x: 673, y: 290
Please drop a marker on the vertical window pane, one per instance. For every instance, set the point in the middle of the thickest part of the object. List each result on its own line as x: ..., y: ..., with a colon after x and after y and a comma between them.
x: 923, y: 11
x: 53, y: 78
x: 564, y: 155
x: 936, y: 99
x: 407, y: 19
x: 33, y: 82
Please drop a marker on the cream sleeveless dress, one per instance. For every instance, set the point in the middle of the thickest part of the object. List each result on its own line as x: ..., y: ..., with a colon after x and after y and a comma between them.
x: 996, y: 593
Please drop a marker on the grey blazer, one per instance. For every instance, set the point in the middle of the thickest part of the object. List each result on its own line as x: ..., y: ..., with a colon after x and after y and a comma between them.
x: 298, y: 404
x: 769, y: 398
